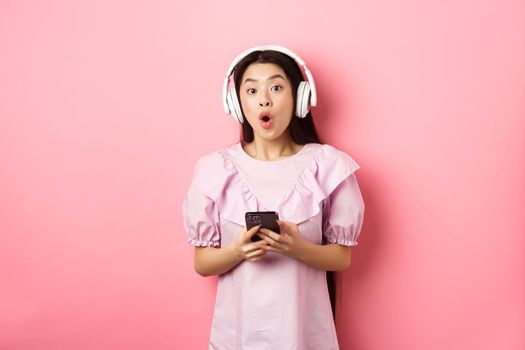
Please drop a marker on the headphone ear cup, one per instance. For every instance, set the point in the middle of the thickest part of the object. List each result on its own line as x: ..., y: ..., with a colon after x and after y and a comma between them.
x: 233, y: 105
x: 303, y: 99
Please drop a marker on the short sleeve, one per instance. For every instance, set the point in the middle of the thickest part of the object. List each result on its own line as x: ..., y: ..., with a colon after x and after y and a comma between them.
x: 343, y: 213
x: 200, y: 218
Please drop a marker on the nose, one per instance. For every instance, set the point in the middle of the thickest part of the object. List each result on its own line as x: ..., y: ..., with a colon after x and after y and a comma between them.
x: 265, y: 101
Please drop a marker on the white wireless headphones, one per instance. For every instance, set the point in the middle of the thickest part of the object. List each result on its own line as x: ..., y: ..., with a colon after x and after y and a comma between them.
x: 306, y: 93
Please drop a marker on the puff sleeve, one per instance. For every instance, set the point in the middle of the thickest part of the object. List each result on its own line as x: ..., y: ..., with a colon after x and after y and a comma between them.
x: 343, y: 213
x: 200, y: 217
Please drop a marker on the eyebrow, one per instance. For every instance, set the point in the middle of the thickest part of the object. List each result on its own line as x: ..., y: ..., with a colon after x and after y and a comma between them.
x: 270, y: 78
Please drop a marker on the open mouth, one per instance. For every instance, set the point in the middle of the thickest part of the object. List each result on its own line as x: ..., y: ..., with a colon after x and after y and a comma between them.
x: 266, y: 122
x: 266, y: 119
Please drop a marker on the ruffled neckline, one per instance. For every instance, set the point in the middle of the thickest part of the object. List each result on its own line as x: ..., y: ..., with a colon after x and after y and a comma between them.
x: 326, y: 170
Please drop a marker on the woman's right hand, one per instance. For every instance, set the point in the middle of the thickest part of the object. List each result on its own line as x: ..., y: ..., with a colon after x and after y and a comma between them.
x: 245, y: 248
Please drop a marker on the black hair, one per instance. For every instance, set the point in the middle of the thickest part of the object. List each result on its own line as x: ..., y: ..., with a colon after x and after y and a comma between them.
x: 302, y: 130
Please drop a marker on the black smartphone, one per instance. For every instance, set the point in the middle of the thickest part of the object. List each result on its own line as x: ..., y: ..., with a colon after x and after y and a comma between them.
x: 267, y: 219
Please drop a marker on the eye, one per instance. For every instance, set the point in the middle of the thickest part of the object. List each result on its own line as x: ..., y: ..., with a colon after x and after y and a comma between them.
x: 278, y: 86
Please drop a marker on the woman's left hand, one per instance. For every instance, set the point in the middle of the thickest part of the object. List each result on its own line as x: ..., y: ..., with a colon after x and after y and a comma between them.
x: 289, y: 242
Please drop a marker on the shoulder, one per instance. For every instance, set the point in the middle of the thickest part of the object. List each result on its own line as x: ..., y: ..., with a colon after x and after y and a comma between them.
x: 212, y: 171
x: 209, y: 161
x: 215, y: 160
x: 330, y: 156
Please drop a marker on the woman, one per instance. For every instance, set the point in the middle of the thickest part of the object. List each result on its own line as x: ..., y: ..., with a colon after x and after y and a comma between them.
x: 273, y: 293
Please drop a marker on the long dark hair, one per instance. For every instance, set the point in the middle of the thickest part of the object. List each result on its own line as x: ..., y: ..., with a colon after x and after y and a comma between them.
x: 302, y: 130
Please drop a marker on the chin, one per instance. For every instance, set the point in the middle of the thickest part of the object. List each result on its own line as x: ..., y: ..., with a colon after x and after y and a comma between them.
x: 269, y: 136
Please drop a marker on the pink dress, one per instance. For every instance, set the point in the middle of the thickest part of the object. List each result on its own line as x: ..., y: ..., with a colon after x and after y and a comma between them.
x: 276, y: 302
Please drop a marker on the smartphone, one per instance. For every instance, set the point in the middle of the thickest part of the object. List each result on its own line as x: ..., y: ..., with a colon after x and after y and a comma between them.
x: 267, y: 219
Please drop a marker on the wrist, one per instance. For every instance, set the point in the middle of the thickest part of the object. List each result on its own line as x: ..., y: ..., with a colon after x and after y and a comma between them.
x: 234, y: 252
x: 303, y: 250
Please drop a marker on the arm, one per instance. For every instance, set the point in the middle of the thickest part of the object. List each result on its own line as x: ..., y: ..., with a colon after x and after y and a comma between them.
x: 215, y: 261
x: 201, y: 224
x: 329, y: 257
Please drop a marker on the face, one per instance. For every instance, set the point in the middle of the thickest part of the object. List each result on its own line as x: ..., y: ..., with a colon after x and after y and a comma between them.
x: 266, y: 99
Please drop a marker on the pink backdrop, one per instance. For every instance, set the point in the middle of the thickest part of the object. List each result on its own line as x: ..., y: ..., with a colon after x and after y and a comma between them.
x: 106, y: 105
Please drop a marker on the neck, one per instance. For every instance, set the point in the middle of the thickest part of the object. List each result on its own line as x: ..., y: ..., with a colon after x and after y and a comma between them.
x: 281, y: 147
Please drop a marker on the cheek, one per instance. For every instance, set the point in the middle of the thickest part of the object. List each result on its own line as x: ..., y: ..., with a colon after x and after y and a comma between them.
x: 287, y: 106
x: 250, y: 102
x: 243, y: 102
x: 247, y: 107
x: 286, y: 101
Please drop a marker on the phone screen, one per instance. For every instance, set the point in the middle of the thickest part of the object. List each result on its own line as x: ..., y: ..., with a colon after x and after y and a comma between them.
x: 267, y: 219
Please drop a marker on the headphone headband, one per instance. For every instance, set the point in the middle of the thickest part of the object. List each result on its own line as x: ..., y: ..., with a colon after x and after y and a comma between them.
x: 282, y: 49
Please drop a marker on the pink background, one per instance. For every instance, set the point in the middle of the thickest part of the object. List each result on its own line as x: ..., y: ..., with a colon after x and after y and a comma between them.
x: 106, y: 105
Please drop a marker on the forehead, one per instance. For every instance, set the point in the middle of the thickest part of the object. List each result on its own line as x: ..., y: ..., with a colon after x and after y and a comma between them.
x: 262, y: 71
